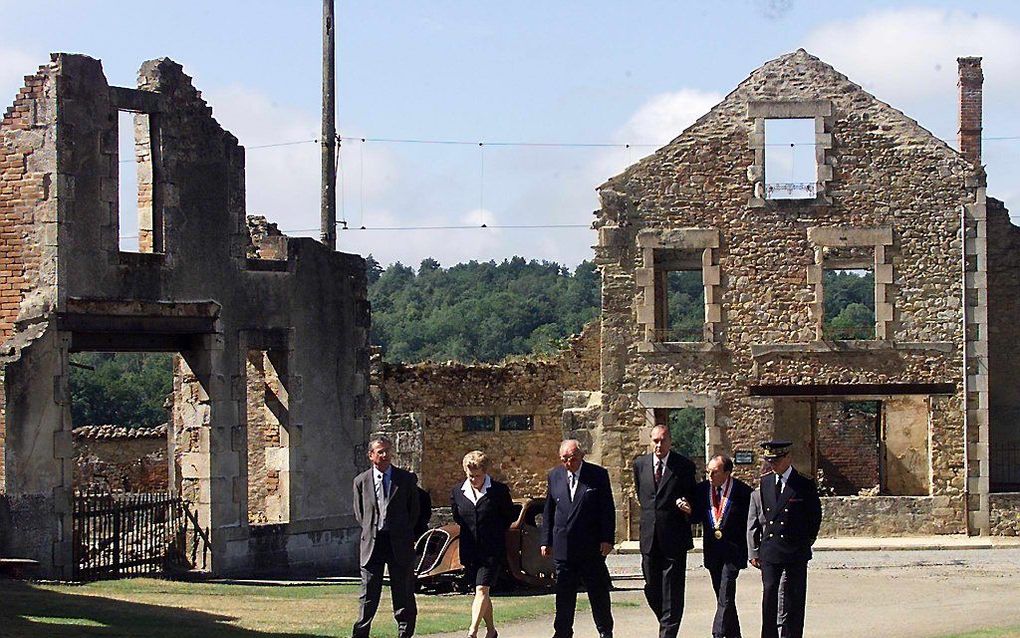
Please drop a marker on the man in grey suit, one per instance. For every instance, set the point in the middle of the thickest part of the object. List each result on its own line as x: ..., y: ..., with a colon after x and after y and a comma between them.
x: 386, y: 506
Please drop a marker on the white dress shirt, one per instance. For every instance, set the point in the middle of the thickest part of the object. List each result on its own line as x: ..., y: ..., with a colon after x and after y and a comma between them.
x: 474, y: 495
x: 573, y: 478
x: 382, y: 497
x: 786, y: 477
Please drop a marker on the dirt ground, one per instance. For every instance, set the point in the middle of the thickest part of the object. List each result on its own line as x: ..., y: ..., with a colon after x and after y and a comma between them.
x: 908, y: 594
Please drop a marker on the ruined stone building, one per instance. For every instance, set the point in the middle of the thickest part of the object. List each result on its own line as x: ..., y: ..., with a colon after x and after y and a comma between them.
x: 883, y: 196
x: 910, y: 420
x: 269, y: 420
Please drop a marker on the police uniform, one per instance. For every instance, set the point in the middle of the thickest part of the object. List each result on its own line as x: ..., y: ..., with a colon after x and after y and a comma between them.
x: 782, y: 525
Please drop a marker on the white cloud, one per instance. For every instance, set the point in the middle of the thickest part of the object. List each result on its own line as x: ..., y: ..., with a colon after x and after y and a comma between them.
x: 665, y: 116
x: 906, y: 54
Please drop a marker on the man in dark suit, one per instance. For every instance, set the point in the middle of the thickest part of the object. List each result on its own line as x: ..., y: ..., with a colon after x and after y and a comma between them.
x: 782, y: 525
x: 721, y: 505
x: 386, y: 505
x: 578, y: 530
x: 664, y: 481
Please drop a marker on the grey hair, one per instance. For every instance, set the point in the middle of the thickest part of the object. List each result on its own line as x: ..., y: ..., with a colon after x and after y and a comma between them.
x: 379, y: 440
x: 577, y: 443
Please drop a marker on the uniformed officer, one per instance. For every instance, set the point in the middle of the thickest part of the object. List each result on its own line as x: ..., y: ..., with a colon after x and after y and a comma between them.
x: 782, y: 525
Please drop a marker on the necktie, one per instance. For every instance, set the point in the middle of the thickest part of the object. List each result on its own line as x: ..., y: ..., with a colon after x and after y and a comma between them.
x: 386, y: 485
x: 658, y: 472
x: 718, y: 495
x: 779, y: 486
x: 573, y: 484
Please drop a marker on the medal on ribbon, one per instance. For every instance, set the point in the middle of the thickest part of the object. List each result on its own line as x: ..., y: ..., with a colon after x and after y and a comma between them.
x: 719, y: 506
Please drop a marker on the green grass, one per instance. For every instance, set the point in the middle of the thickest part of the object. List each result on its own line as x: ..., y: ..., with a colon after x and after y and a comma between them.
x: 168, y: 609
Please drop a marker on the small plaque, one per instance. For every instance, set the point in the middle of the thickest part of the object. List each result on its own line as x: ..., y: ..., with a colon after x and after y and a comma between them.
x: 743, y: 457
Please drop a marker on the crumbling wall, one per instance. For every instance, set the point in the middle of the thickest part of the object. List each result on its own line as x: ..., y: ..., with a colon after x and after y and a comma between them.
x: 194, y: 289
x: 441, y: 395
x: 119, y: 459
x: 886, y: 183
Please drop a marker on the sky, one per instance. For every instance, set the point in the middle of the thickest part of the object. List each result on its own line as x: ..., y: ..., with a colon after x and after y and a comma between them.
x: 545, y: 100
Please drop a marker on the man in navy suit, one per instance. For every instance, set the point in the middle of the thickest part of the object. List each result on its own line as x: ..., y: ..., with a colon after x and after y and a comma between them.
x: 721, y: 505
x: 664, y: 481
x: 578, y: 530
x: 782, y: 525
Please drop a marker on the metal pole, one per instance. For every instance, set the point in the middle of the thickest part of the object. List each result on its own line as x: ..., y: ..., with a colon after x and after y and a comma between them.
x: 328, y: 137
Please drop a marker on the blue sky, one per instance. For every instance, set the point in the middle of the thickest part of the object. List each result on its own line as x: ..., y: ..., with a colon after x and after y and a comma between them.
x: 540, y: 72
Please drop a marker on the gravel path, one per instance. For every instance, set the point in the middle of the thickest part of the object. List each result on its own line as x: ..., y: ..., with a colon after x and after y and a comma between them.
x: 908, y: 594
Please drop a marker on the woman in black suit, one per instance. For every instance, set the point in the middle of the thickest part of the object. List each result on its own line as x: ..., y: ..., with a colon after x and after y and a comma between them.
x: 484, y: 510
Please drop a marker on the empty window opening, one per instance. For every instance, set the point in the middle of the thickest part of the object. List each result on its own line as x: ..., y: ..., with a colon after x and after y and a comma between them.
x: 849, y: 304
x: 687, y: 430
x: 119, y: 412
x: 516, y: 422
x: 679, y: 296
x: 848, y: 447
x: 139, y: 218
x: 501, y: 423
x: 479, y: 423
x: 268, y: 440
x: 791, y: 171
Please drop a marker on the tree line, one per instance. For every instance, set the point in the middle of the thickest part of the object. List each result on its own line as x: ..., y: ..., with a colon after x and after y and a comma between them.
x: 469, y: 312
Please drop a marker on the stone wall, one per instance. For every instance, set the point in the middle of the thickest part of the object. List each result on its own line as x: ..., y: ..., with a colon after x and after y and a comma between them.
x: 119, y: 459
x: 884, y: 183
x: 438, y: 396
x: 1005, y: 514
x: 887, y: 516
x: 1003, y: 348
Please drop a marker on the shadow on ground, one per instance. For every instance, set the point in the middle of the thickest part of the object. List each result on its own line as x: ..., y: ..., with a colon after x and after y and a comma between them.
x: 29, y: 611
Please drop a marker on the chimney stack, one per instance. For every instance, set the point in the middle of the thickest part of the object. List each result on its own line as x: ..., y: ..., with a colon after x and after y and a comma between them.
x: 971, y: 80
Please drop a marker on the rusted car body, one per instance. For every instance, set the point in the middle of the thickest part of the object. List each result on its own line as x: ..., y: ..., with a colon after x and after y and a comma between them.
x: 438, y: 552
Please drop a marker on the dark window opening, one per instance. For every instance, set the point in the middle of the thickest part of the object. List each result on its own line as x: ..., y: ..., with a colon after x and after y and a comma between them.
x: 516, y: 422
x: 849, y: 304
x: 847, y: 437
x: 791, y: 170
x: 479, y: 423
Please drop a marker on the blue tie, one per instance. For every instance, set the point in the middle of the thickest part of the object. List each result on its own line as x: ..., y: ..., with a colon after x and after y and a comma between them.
x: 386, y: 484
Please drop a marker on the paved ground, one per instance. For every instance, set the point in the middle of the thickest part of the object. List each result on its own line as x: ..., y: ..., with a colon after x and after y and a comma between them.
x: 851, y: 593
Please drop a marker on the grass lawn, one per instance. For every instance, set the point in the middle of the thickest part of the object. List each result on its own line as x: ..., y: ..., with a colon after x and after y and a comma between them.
x: 159, y: 608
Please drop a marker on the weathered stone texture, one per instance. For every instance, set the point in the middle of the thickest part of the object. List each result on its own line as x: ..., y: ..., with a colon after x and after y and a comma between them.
x: 1005, y: 514
x: 118, y: 459
x: 847, y: 447
x: 891, y: 183
x: 441, y: 395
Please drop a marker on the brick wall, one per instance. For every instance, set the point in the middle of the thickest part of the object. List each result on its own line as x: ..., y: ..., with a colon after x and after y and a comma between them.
x: 441, y: 395
x: 847, y: 447
x: 21, y: 188
x: 120, y: 459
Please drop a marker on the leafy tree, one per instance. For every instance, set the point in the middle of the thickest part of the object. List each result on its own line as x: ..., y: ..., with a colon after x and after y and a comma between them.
x: 849, y: 304
x: 687, y: 430
x: 127, y: 389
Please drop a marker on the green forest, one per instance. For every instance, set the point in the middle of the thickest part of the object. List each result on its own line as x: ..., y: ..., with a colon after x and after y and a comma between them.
x: 470, y: 312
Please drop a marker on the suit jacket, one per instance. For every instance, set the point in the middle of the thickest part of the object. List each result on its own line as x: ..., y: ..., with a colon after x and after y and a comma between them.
x: 575, y: 529
x: 401, y: 513
x: 483, y: 525
x: 732, y: 547
x: 784, y: 531
x: 663, y: 525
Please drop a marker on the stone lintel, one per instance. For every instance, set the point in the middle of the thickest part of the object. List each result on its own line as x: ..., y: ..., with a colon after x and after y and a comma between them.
x: 849, y: 346
x: 849, y: 236
x: 678, y: 238
x: 674, y: 399
x: 789, y: 108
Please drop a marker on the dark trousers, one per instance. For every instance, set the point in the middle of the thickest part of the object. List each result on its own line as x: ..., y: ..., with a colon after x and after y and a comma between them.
x: 402, y: 581
x: 594, y: 574
x: 724, y: 582
x: 792, y: 589
x: 664, y: 589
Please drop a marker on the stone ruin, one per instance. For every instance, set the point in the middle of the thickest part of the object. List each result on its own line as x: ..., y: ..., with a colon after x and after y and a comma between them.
x: 271, y: 379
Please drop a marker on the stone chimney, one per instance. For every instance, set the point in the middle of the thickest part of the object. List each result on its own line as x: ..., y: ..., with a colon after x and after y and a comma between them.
x: 970, y: 83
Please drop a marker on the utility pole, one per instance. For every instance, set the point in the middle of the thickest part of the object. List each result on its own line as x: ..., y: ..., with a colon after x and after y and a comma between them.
x: 328, y: 137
